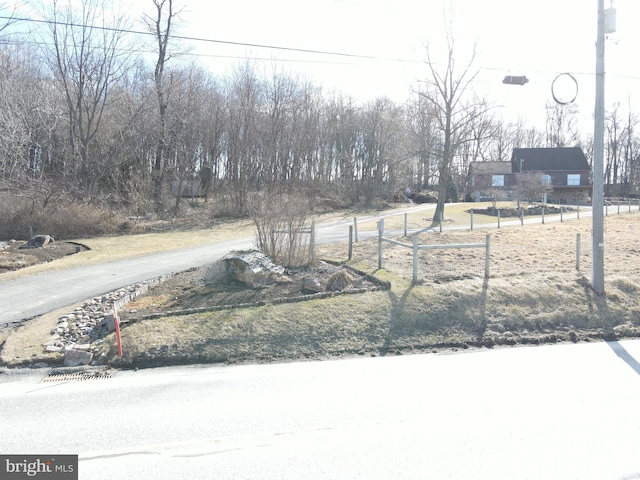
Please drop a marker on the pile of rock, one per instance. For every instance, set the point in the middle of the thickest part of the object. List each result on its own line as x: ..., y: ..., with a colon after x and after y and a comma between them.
x: 79, y: 334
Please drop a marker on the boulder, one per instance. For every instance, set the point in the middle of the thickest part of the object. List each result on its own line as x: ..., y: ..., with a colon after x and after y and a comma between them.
x: 38, y: 241
x: 252, y: 268
x: 311, y: 285
x: 75, y: 358
x: 423, y: 198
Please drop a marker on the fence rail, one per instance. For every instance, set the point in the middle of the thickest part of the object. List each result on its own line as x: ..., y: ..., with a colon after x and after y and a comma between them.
x: 416, y: 247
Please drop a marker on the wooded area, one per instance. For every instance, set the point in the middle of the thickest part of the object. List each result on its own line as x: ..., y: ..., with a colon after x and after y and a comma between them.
x: 86, y: 118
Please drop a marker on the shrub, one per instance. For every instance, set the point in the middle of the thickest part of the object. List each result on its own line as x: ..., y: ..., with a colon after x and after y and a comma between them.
x: 280, y: 227
x: 21, y: 216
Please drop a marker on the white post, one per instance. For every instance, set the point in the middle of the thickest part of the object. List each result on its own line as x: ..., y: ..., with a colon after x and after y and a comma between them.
x: 578, y: 251
x: 415, y: 259
x: 355, y: 228
x: 487, y: 256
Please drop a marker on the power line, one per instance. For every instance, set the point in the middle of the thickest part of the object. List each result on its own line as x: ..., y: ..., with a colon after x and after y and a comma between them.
x: 265, y: 46
x: 209, y: 40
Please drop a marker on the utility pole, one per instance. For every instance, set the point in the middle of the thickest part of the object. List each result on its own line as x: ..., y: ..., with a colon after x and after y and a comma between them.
x: 597, y: 203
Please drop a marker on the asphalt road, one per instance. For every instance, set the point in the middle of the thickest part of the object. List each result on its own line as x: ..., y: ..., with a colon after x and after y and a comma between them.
x: 549, y: 412
x: 29, y: 296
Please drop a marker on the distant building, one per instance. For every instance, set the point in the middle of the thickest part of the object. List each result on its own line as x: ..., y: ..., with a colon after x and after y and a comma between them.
x: 563, y: 173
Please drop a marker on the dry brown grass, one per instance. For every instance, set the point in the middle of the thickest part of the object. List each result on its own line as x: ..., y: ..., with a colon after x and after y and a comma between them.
x: 534, y: 295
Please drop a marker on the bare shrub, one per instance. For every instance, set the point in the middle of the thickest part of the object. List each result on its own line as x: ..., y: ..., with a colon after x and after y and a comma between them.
x: 340, y: 280
x: 281, y: 233
x: 21, y: 216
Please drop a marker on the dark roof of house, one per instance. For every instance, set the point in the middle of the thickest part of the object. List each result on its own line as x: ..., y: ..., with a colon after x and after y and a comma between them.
x: 549, y: 159
x: 489, y: 168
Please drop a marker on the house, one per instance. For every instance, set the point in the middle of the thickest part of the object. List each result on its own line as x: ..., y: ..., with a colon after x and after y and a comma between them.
x: 553, y: 175
x: 491, y: 180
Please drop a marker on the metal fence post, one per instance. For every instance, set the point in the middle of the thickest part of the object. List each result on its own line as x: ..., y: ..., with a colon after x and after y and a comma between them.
x: 350, y: 241
x: 405, y: 223
x: 471, y: 213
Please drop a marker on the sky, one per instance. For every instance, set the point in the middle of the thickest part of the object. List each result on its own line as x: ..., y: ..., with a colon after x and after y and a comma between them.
x: 381, y: 45
x: 388, y: 38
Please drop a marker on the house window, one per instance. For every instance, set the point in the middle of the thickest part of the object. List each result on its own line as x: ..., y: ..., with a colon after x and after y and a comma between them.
x: 546, y: 179
x: 497, y: 180
x: 573, y: 179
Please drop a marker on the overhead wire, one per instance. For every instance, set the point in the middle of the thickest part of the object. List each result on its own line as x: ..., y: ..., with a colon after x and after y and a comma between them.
x: 348, y: 55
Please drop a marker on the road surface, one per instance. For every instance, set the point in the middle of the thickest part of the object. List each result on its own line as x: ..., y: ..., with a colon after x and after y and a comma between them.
x: 565, y: 412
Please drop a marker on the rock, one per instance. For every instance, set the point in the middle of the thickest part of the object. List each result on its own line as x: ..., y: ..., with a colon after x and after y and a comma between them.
x: 110, y: 322
x: 310, y: 284
x: 252, y: 268
x: 75, y: 358
x: 423, y: 198
x: 38, y: 241
x: 626, y: 330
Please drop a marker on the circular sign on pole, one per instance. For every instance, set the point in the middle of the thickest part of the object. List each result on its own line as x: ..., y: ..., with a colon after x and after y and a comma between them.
x: 564, y: 89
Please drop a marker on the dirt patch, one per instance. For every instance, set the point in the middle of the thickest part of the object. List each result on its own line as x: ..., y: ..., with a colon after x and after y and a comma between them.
x: 13, y: 255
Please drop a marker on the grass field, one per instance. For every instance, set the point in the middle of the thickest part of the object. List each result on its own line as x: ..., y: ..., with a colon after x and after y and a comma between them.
x: 534, y: 295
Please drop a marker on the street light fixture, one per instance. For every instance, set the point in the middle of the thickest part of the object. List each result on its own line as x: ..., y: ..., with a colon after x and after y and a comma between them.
x: 515, y: 80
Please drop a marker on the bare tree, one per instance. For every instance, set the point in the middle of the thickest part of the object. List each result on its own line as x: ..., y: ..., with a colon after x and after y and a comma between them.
x: 8, y: 20
x: 445, y: 92
x: 613, y: 148
x: 88, y: 61
x: 160, y: 24
x: 561, y: 125
x: 245, y: 99
x: 532, y: 187
x: 421, y: 141
x: 631, y: 150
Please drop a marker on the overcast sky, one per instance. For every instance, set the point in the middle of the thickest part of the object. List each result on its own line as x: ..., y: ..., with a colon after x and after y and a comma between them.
x: 540, y: 39
x: 383, y: 44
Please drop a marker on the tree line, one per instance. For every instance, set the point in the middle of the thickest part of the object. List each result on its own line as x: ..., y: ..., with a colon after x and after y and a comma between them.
x: 85, y: 117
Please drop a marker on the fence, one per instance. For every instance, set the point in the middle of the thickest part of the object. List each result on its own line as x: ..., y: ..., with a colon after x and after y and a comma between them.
x: 573, y: 212
x: 416, y: 247
x: 433, y: 262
